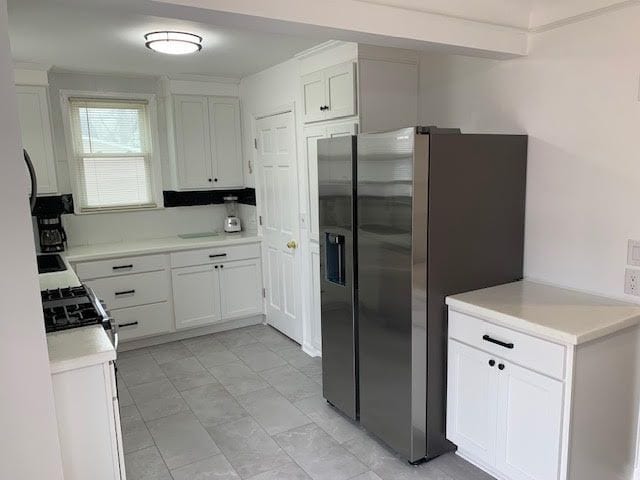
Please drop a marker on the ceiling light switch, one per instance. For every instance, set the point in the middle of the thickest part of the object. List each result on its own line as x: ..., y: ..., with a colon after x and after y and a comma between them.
x: 633, y: 253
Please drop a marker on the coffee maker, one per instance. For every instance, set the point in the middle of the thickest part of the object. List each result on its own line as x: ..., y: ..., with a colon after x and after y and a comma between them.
x: 52, y: 234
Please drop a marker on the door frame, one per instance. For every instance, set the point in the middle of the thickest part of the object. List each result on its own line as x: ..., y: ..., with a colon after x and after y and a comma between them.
x: 301, y: 263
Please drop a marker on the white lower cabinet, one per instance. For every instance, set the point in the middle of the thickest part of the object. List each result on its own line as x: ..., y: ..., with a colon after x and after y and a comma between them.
x: 206, y: 294
x: 504, y: 416
x: 89, y: 423
x: 472, y: 401
x: 529, y: 424
x: 196, y: 297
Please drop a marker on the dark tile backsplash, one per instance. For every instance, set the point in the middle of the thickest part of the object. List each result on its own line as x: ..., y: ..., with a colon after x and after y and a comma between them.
x: 63, y: 204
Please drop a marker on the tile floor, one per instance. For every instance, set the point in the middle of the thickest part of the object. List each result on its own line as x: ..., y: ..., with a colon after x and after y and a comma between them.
x: 247, y: 404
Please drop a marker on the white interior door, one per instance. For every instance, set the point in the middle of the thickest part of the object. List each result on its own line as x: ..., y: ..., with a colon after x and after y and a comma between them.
x: 280, y: 213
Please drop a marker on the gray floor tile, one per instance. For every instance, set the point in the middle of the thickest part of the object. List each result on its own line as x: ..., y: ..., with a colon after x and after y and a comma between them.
x: 124, y: 397
x: 235, y: 338
x: 258, y: 357
x: 274, y: 412
x: 203, y: 344
x: 237, y: 378
x: 212, y: 404
x: 187, y: 373
x: 158, y: 399
x: 291, y: 383
x: 182, y: 440
x: 313, y: 368
x: 458, y: 468
x: 367, y: 476
x: 131, y: 353
x: 215, y: 358
x: 248, y: 447
x: 319, y: 454
x: 387, y: 465
x: 214, y: 468
x: 140, y: 369
x: 146, y: 464
x: 295, y: 356
x: 272, y: 337
x: 168, y: 352
x: 290, y: 471
x: 340, y: 427
x: 135, y: 435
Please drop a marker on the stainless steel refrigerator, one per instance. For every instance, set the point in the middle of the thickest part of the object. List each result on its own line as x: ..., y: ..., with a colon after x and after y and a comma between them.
x: 406, y: 218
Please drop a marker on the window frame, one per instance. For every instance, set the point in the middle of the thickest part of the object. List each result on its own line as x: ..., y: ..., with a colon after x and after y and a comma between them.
x: 154, y: 158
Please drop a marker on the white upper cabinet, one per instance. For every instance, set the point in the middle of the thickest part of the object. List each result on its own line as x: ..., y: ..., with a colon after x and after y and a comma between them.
x: 193, y: 142
x: 226, y: 141
x: 329, y: 93
x: 208, y: 152
x: 35, y: 126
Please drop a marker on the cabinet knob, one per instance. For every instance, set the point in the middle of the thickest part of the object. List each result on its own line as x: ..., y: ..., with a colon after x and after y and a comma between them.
x: 209, y: 179
x: 215, y: 179
x: 501, y: 366
x: 492, y: 363
x: 221, y: 266
x: 216, y: 267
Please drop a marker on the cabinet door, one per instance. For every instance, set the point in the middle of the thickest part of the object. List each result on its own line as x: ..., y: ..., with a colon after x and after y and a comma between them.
x: 310, y: 139
x: 196, y: 296
x: 313, y: 97
x: 35, y: 126
x: 226, y: 149
x: 340, y: 85
x: 472, y: 395
x: 193, y: 142
x: 240, y: 288
x: 529, y: 424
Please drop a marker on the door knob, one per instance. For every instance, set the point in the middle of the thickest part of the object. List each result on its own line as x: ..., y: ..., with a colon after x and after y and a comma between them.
x: 292, y: 244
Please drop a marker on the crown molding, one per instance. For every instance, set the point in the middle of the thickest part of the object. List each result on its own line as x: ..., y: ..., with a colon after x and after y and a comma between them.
x: 322, y: 47
x: 584, y: 16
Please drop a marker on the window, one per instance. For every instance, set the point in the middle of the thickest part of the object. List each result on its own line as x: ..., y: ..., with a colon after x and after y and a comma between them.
x: 112, y: 153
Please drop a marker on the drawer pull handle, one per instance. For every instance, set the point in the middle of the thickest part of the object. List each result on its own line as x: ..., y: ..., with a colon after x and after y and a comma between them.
x: 130, y: 324
x: 487, y: 338
x: 217, y: 255
x: 125, y: 292
x: 122, y: 267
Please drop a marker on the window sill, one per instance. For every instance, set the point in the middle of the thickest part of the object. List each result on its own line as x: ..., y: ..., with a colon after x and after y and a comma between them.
x: 119, y: 210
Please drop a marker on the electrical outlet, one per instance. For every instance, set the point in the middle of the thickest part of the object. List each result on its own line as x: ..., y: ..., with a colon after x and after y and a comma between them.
x: 633, y: 253
x: 632, y: 282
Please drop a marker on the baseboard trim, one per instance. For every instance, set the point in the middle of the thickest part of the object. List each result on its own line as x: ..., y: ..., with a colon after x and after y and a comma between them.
x: 311, y: 351
x: 194, y: 332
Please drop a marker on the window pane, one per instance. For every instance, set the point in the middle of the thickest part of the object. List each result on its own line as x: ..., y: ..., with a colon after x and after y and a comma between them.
x: 111, y: 130
x: 116, y: 182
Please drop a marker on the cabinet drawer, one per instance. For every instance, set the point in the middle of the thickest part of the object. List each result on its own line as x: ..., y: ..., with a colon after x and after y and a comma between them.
x: 214, y: 255
x: 120, y: 266
x: 132, y: 290
x: 535, y: 353
x: 143, y: 321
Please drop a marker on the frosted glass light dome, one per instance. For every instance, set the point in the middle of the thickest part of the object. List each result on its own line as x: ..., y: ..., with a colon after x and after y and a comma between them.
x: 173, y: 43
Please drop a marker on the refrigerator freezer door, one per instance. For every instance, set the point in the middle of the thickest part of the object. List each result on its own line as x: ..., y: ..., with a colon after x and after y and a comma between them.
x: 336, y: 163
x: 392, y: 177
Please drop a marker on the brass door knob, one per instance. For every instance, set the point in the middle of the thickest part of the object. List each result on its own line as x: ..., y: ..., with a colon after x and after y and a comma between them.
x: 292, y: 244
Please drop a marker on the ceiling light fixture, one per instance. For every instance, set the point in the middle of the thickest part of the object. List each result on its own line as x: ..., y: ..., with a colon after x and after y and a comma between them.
x: 173, y: 43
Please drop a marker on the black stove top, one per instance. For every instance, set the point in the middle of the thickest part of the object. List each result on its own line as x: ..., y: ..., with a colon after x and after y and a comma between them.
x: 71, y: 307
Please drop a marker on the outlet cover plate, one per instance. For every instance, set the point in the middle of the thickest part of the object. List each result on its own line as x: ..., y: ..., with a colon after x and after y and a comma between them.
x: 633, y: 253
x: 632, y: 282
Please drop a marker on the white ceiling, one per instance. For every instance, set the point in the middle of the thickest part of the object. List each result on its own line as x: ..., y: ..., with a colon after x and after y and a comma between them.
x: 92, y: 39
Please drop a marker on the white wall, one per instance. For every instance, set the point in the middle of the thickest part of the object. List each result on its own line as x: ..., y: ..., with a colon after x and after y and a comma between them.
x: 576, y: 95
x: 29, y: 446
x: 261, y: 94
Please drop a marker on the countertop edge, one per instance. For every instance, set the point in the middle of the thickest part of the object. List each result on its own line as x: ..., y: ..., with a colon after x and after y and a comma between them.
x: 141, y: 250
x: 547, y: 333
x: 90, y: 360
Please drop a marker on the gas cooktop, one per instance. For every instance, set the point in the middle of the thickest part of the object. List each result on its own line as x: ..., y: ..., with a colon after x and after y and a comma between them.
x: 72, y: 307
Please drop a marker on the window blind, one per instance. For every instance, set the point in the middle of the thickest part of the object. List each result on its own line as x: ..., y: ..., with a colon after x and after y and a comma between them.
x: 112, y: 152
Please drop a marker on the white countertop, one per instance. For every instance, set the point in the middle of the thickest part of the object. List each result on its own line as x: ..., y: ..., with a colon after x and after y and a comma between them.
x: 557, y: 314
x: 67, y: 278
x: 156, y: 245
x: 79, y: 348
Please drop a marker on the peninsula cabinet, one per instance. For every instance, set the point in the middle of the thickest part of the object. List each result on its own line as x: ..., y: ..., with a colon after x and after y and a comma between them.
x: 206, y: 139
x: 543, y: 383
